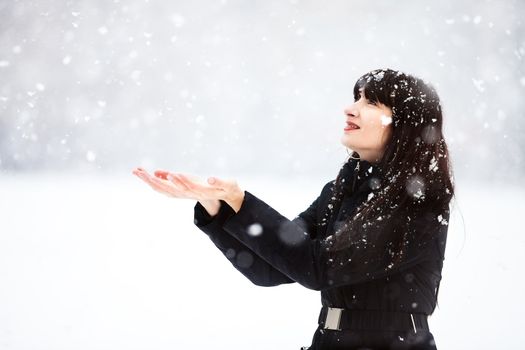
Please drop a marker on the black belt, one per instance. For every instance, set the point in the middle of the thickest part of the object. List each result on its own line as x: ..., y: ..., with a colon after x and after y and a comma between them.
x: 345, y: 319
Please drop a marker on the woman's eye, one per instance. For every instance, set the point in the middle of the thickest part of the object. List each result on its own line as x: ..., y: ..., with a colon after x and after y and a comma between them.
x: 372, y: 102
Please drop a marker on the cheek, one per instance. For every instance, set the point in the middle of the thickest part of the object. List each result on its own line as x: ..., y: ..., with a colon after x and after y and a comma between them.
x: 379, y: 131
x: 377, y: 124
x: 386, y: 133
x: 385, y: 120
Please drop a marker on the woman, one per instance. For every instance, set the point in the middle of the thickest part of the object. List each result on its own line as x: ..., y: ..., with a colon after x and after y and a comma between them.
x: 373, y: 242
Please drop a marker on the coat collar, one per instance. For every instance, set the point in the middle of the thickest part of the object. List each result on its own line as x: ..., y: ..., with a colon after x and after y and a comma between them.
x: 358, y: 173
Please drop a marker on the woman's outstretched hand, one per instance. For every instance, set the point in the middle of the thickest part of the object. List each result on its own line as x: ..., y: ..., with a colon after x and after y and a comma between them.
x: 179, y: 185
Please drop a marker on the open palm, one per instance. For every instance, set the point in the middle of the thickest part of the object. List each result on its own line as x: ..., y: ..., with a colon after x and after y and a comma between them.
x: 187, y: 186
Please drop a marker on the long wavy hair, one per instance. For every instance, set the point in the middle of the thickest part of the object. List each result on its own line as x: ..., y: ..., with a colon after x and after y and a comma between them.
x: 416, y: 174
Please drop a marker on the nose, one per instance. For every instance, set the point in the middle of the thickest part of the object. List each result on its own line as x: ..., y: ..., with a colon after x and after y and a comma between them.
x: 351, y: 111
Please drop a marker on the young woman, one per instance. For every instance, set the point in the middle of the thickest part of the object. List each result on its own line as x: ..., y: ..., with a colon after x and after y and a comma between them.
x: 373, y: 241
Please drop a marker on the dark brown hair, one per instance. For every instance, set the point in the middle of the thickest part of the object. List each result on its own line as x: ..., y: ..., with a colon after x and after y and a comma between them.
x: 416, y: 176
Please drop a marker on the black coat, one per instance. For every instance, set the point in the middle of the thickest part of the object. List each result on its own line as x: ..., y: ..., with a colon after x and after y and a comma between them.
x: 270, y: 249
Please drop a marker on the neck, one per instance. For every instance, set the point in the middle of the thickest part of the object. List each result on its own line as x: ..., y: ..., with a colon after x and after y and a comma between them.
x: 370, y: 157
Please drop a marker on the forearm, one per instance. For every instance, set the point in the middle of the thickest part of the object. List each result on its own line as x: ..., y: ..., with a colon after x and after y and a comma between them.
x: 242, y: 258
x: 284, y: 243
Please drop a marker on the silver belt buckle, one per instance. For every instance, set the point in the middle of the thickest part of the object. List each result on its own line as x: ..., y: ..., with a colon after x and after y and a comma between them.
x: 333, y: 318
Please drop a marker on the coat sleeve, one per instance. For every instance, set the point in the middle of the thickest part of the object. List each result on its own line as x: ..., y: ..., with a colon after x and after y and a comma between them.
x: 287, y: 246
x: 257, y: 269
x: 245, y: 260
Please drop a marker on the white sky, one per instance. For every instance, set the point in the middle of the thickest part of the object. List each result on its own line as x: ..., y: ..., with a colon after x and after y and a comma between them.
x: 232, y: 87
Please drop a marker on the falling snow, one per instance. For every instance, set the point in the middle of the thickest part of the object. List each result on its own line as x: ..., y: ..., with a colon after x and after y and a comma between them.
x: 91, y: 156
x: 442, y: 220
x: 385, y: 120
x: 244, y: 259
x: 379, y: 76
x: 255, y: 229
x: 235, y: 89
x: 433, y: 164
x: 66, y: 60
x: 478, y: 84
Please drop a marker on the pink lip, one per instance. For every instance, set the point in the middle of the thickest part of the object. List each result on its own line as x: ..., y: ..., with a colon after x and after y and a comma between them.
x: 349, y: 128
x: 350, y: 123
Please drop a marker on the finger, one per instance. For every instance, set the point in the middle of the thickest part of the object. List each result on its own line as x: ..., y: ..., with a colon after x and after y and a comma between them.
x: 176, y: 189
x: 166, y: 188
x: 172, y: 177
x: 162, y: 174
x: 144, y: 177
x: 189, y: 186
x: 206, y: 191
x: 167, y: 184
x: 140, y: 175
x: 192, y: 178
x: 138, y: 171
x: 178, y: 182
x: 188, y: 178
x: 157, y: 184
x: 185, y: 180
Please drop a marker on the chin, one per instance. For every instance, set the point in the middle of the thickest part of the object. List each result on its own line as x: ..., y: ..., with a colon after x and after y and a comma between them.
x: 345, y: 143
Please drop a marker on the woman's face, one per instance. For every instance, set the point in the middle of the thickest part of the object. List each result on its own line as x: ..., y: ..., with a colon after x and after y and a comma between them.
x: 375, y: 128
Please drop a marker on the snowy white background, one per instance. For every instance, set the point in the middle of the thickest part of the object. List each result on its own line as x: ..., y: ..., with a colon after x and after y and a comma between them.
x: 106, y: 263
x: 90, y: 258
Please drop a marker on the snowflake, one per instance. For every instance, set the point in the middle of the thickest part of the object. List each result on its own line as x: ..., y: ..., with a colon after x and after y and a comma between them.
x: 255, y: 229
x: 433, y: 164
x: 385, y: 120
x: 478, y: 84
x: 442, y: 220
x: 379, y: 76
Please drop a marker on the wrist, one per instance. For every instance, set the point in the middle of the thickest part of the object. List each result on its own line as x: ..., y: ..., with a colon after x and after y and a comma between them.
x: 235, y: 201
x: 212, y: 206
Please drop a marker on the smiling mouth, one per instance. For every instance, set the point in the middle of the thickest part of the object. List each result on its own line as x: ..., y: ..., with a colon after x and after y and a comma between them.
x: 351, y: 126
